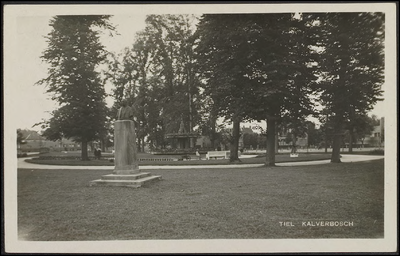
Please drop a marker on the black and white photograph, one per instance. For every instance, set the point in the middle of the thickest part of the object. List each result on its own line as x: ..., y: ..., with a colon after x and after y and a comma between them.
x: 200, y: 128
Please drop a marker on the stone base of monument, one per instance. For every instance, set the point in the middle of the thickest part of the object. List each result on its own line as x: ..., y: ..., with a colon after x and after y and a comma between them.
x: 136, y: 180
x: 126, y: 171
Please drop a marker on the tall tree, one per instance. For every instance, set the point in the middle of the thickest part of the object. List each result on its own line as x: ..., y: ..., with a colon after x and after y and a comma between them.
x: 53, y: 128
x: 74, y: 52
x: 296, y: 128
x: 20, y: 138
x: 281, y: 72
x: 327, y: 124
x: 314, y: 135
x: 257, y: 67
x: 353, y: 64
x: 170, y: 38
x: 359, y: 128
x: 250, y: 140
x: 221, y: 54
x: 157, y: 75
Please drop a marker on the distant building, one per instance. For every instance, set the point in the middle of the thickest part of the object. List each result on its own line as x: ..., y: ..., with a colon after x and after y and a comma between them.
x: 203, y: 142
x: 32, y: 141
x: 283, y: 141
x: 376, y: 139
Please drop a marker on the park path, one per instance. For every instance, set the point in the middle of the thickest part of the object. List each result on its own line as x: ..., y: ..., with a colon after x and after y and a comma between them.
x: 345, y: 159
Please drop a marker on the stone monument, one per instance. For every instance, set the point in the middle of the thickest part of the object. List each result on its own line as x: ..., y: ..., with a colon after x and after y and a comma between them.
x: 126, y: 161
x: 126, y: 170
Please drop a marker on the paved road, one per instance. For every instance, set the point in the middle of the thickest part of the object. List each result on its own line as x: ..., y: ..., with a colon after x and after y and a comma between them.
x: 345, y: 159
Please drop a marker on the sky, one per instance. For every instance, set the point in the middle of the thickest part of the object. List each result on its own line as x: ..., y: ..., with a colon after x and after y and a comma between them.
x: 32, y: 104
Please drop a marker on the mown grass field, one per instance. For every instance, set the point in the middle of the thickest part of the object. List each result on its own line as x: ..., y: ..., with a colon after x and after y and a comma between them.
x: 237, y: 203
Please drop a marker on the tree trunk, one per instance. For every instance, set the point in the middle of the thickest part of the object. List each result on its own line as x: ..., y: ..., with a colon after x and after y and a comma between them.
x: 351, y: 133
x: 326, y: 142
x: 270, y: 158
x: 103, y: 145
x: 139, y: 144
x: 213, y: 121
x: 235, y: 140
x: 294, y: 140
x: 90, y: 144
x: 337, y: 139
x: 84, y: 150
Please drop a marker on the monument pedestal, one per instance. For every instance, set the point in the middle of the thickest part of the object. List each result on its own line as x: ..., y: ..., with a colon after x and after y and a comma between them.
x: 125, y: 147
x: 126, y: 171
x: 125, y: 180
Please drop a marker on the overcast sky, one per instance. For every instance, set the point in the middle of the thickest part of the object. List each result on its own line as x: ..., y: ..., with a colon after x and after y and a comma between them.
x: 32, y: 104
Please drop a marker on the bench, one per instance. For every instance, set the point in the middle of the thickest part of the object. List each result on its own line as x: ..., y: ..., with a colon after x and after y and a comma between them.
x: 217, y: 154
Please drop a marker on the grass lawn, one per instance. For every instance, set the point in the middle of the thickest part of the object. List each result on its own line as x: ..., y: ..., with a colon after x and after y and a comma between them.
x: 254, y: 160
x: 237, y: 203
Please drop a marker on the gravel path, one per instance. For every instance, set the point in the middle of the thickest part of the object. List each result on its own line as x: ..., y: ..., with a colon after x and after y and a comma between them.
x: 345, y: 159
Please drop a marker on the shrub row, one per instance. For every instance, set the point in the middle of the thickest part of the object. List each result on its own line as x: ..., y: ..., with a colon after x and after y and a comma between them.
x: 380, y: 152
x: 61, y: 157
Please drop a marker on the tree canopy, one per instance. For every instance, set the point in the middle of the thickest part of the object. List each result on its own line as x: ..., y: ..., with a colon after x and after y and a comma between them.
x: 276, y: 67
x: 74, y: 52
x: 156, y: 74
x: 353, y: 65
x: 258, y: 66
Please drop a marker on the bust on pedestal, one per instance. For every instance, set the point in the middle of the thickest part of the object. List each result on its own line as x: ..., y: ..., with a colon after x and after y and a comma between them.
x: 126, y: 171
x: 125, y: 142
